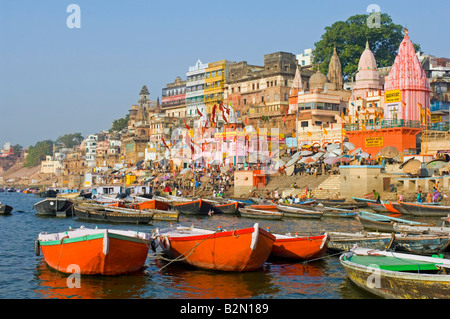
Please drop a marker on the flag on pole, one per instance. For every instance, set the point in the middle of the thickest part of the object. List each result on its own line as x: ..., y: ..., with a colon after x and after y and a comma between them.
x: 309, y: 134
x: 187, y: 126
x: 325, y: 131
x: 199, y: 113
x: 428, y: 111
x: 164, y: 142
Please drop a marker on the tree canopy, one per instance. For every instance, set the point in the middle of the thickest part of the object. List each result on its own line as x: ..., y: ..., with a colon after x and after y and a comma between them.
x: 350, y: 39
x: 38, y: 152
x: 119, y: 124
x: 70, y: 140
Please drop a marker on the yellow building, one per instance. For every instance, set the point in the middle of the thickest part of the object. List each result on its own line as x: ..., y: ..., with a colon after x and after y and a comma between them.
x: 216, y: 75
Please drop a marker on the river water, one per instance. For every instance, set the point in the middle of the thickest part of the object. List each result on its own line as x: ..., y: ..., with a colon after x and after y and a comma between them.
x: 23, y: 275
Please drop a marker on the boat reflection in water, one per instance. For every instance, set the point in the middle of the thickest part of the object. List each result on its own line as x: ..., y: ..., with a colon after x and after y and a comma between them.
x: 191, y: 282
x: 57, y: 285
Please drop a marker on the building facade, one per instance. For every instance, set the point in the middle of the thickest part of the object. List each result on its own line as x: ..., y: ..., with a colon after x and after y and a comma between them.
x: 195, y: 89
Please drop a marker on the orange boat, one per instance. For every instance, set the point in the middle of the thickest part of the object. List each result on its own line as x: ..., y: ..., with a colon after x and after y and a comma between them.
x: 237, y: 250
x: 392, y: 206
x: 94, y: 251
x: 272, y: 208
x: 295, y: 247
x: 150, y: 204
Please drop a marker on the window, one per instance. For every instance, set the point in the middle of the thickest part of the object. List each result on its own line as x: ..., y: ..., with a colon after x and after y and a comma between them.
x: 304, y: 124
x: 286, y: 97
x: 276, y: 97
x: 245, y: 101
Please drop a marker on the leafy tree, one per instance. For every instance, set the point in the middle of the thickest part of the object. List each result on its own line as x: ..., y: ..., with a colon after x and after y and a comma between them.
x: 119, y: 124
x: 70, y: 140
x: 350, y: 39
x: 38, y: 152
x: 17, y: 149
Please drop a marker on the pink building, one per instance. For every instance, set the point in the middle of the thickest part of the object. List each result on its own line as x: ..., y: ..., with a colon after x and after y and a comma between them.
x: 408, y: 76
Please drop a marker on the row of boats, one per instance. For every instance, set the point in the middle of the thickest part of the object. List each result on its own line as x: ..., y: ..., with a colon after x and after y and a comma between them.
x: 403, y: 256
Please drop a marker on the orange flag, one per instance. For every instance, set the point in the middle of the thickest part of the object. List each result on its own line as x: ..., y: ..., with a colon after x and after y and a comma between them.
x: 309, y: 134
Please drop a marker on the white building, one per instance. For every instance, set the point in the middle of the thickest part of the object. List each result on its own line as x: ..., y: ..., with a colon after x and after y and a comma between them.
x: 51, y: 165
x: 305, y: 59
x: 195, y: 89
x: 91, y: 150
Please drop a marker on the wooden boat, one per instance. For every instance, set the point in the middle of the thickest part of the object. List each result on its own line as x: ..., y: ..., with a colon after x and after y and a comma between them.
x: 326, y: 201
x: 54, y: 207
x: 420, y: 244
x: 291, y: 211
x: 68, y: 195
x: 422, y: 229
x: 46, y: 194
x: 194, y: 207
x: 5, y: 209
x: 337, y: 212
x: 148, y: 204
x: 424, y: 210
x: 378, y: 207
x: 364, y: 200
x: 382, y: 223
x: 398, y: 275
x: 340, y: 241
x: 262, y: 214
x: 113, y: 215
x: 227, y: 208
x: 94, y: 251
x: 236, y: 250
x: 392, y: 207
x: 269, y: 207
x: 300, y: 247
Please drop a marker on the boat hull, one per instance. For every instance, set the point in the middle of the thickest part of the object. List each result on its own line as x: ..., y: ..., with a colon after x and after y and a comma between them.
x: 96, y: 254
x: 397, y: 284
x: 346, y: 241
x: 5, y: 209
x: 303, y: 248
x: 426, y: 210
x: 260, y: 214
x: 152, y: 204
x: 290, y: 211
x: 196, y: 207
x: 54, y: 207
x: 228, y: 208
x: 238, y: 250
x: 112, y: 217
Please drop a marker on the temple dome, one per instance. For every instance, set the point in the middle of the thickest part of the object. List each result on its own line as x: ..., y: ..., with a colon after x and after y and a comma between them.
x: 317, y: 81
x: 368, y: 77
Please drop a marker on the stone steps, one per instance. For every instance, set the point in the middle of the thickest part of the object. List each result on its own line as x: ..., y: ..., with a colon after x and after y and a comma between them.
x: 330, y: 188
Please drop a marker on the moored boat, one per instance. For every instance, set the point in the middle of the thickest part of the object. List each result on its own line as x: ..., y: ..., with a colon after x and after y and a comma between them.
x: 54, y: 207
x: 194, y: 207
x: 398, y: 275
x: 421, y: 209
x: 340, y: 241
x: 113, y: 215
x: 262, y: 214
x: 300, y: 247
x: 392, y: 207
x: 382, y: 223
x: 237, y: 250
x: 5, y: 209
x: 378, y: 207
x: 364, y: 200
x: 270, y: 207
x: 227, y: 208
x: 291, y: 211
x: 94, y: 251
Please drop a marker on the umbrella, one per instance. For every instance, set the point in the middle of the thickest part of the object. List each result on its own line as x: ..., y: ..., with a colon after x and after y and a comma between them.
x: 310, y: 160
x: 355, y: 152
x: 438, y: 163
x: 305, y: 153
x: 290, y: 170
x: 389, y: 152
x: 349, y: 146
x: 336, y: 152
x: 331, y: 147
x: 412, y: 166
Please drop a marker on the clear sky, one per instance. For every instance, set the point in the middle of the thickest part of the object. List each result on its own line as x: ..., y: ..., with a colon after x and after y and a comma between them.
x: 55, y: 80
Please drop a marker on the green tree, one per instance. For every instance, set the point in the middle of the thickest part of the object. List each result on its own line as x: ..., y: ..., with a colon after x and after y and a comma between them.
x: 119, y: 124
x: 350, y: 39
x: 38, y: 152
x: 17, y: 149
x: 70, y: 140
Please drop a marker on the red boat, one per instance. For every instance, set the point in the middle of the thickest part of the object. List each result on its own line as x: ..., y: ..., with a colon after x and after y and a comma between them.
x: 94, y: 251
x: 236, y: 250
x: 150, y: 204
x: 272, y: 208
x: 304, y: 248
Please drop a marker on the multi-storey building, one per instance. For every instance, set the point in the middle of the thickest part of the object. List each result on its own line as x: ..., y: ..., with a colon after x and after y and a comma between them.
x: 195, y: 89
x: 216, y: 75
x: 173, y: 101
x: 260, y: 94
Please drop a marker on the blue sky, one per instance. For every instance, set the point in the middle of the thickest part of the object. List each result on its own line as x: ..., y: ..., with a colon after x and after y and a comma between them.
x: 55, y: 80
